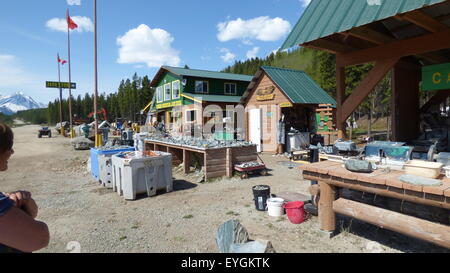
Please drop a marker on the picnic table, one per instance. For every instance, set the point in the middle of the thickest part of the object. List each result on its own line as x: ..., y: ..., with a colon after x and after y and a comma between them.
x: 332, y: 176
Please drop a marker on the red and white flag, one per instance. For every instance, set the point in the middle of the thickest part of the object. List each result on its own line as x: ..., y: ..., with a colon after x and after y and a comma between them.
x: 61, y: 61
x: 70, y: 22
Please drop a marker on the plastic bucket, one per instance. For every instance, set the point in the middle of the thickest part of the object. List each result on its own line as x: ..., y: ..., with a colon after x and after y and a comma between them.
x: 295, y: 212
x: 275, y: 207
x: 261, y: 193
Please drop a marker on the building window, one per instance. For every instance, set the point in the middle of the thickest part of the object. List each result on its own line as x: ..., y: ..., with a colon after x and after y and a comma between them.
x: 201, y: 87
x: 167, y: 92
x: 191, y: 116
x: 159, y: 94
x: 230, y: 89
x: 176, y: 90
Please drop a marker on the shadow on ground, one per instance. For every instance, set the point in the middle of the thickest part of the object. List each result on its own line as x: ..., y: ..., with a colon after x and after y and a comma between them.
x: 386, y: 237
x: 181, y: 185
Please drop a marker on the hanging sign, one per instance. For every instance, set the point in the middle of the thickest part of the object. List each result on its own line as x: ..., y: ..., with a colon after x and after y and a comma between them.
x: 436, y: 77
x: 265, y: 94
x: 286, y: 105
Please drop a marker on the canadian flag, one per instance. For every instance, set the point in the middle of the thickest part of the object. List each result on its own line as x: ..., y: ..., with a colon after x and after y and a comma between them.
x: 70, y: 22
x: 61, y: 60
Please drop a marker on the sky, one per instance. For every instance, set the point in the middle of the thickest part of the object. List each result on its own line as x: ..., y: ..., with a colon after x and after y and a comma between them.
x: 133, y: 36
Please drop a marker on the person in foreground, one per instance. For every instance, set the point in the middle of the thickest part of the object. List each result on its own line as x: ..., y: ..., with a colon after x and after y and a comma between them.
x: 19, y: 231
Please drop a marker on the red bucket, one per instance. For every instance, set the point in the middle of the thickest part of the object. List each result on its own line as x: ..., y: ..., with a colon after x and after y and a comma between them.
x: 295, y: 212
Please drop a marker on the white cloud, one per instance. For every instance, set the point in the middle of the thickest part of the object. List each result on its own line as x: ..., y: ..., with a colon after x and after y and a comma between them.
x: 251, y: 54
x: 74, y: 2
x: 260, y: 28
x: 149, y: 46
x: 59, y: 24
x: 228, y: 57
x: 305, y: 3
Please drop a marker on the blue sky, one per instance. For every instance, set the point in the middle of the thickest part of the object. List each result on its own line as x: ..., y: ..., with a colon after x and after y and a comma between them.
x: 133, y: 36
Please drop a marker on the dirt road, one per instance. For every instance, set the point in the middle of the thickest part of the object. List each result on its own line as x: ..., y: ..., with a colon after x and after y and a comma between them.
x: 78, y: 209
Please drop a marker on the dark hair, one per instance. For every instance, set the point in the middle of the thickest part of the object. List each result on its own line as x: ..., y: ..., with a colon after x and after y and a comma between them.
x: 6, y: 138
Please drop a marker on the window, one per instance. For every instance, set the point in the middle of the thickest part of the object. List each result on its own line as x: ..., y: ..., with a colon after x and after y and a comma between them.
x: 201, y: 87
x: 167, y: 92
x: 191, y: 116
x: 159, y: 94
x: 230, y: 89
x: 176, y: 90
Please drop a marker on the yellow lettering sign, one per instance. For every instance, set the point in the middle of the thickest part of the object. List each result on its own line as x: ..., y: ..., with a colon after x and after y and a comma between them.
x: 168, y: 105
x: 437, y: 78
x: 448, y: 79
x: 286, y: 105
x: 265, y: 97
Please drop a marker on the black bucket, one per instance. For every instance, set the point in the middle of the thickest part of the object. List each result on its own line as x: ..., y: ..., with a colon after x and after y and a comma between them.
x: 261, y: 193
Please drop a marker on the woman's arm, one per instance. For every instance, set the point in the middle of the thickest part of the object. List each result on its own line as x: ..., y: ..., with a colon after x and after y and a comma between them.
x: 20, y: 231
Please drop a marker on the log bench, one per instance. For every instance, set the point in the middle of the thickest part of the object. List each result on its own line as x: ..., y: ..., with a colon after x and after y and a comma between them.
x: 332, y: 176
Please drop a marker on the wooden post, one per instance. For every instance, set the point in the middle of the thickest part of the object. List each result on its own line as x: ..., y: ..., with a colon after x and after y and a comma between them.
x: 229, y: 162
x: 405, y: 103
x: 340, y: 95
x: 408, y: 225
x: 186, y: 161
x: 327, y: 217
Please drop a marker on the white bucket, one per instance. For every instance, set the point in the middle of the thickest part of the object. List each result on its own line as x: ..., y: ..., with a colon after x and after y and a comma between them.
x: 275, y: 207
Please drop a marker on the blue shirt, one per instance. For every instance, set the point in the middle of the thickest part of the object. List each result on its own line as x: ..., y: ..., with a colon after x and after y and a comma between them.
x: 5, y: 205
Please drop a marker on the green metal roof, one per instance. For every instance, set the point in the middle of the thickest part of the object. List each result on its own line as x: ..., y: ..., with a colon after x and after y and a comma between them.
x: 207, y: 74
x: 326, y: 17
x: 298, y: 86
x: 214, y: 98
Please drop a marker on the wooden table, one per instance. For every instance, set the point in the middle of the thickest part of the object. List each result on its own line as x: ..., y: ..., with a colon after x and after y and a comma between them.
x: 332, y: 176
x: 217, y: 162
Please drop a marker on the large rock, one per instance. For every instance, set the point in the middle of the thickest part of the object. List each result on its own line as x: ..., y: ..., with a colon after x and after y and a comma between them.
x: 231, y: 232
x: 232, y: 237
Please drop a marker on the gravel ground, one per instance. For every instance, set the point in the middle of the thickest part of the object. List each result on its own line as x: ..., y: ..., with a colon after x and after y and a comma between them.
x: 78, y: 209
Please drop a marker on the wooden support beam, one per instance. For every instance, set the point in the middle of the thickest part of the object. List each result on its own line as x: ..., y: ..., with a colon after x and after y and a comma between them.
x: 438, y: 98
x: 405, y: 103
x: 414, y: 46
x: 408, y: 225
x: 327, y: 217
x: 340, y: 96
x: 367, y: 85
x: 419, y: 18
x: 368, y: 34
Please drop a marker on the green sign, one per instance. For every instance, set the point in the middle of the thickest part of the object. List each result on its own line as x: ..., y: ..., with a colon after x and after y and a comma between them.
x: 64, y: 85
x: 436, y: 77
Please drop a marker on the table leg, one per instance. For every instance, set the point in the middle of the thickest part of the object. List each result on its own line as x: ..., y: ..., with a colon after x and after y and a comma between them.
x: 186, y: 161
x: 327, y: 217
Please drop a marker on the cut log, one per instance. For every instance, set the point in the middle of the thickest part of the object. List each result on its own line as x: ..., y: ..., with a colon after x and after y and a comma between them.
x: 407, y: 225
x: 327, y: 217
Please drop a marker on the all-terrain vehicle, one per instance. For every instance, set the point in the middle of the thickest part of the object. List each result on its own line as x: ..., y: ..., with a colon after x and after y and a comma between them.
x: 44, y: 131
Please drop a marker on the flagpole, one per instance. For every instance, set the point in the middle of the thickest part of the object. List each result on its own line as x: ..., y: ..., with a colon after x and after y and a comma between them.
x: 70, y: 80
x: 98, y: 141
x: 60, y: 98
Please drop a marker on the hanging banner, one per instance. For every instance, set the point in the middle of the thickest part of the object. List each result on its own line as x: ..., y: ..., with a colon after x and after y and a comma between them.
x: 436, y: 77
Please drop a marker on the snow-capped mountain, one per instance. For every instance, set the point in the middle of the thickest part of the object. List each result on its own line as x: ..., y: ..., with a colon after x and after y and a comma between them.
x: 18, y: 102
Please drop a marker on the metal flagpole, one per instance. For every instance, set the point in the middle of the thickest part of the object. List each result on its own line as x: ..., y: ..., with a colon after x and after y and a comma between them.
x: 70, y: 78
x: 98, y: 140
x: 60, y: 98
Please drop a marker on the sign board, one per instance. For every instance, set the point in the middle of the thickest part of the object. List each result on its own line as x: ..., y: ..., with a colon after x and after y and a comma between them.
x: 286, y: 105
x: 64, y: 85
x: 265, y: 94
x: 168, y: 104
x: 436, y: 77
